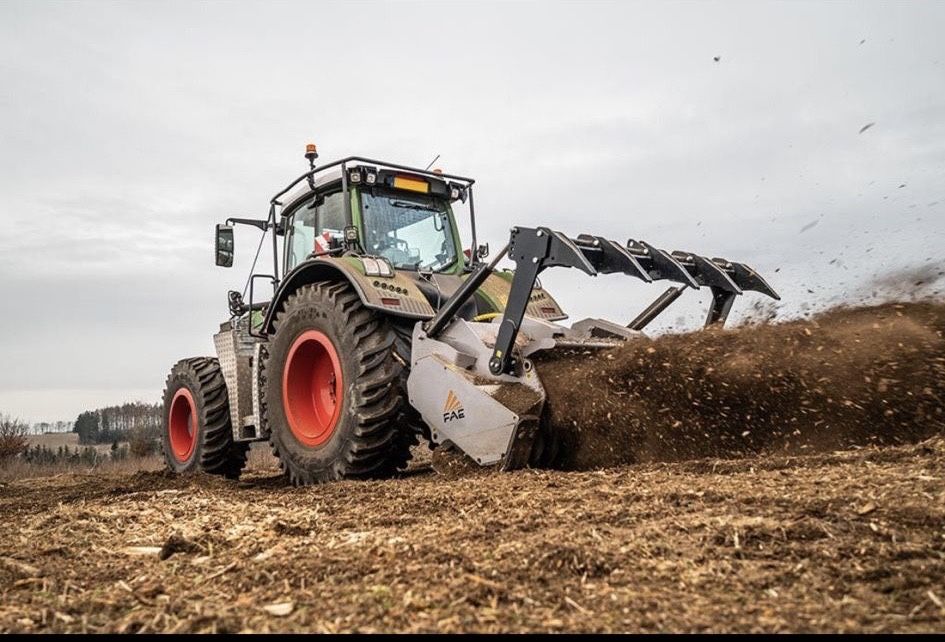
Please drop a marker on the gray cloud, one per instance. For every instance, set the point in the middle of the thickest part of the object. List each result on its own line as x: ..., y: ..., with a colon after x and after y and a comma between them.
x: 128, y: 130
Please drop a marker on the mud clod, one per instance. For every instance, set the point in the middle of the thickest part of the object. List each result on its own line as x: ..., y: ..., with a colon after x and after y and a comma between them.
x: 177, y: 543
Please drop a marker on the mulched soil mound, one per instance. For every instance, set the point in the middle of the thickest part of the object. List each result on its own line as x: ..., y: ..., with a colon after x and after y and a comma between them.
x: 849, y: 376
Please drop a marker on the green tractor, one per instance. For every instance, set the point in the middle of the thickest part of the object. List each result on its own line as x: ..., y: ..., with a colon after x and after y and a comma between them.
x: 382, y: 329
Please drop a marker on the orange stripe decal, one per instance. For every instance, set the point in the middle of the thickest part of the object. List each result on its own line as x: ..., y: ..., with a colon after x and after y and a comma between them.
x: 452, y: 402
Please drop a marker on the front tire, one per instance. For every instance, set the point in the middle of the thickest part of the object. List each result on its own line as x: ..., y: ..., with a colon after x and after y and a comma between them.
x: 197, y: 431
x: 333, y: 389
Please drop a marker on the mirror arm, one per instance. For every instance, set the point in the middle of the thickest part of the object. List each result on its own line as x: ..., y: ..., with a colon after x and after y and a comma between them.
x: 255, y: 222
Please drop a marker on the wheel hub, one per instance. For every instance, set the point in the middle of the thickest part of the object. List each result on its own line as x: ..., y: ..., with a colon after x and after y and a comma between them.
x: 182, y: 425
x: 312, y: 388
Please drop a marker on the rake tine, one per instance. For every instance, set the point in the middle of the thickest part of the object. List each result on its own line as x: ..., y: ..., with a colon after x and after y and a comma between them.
x: 714, y: 275
x: 629, y: 258
x: 665, y: 264
x: 707, y: 272
x: 751, y: 280
x: 575, y: 258
x: 613, y: 257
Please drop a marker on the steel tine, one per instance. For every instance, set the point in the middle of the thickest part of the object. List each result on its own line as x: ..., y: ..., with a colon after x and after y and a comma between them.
x: 617, y: 257
x: 751, y: 280
x: 629, y: 258
x: 667, y: 266
x: 580, y: 261
x: 610, y: 257
x: 712, y: 274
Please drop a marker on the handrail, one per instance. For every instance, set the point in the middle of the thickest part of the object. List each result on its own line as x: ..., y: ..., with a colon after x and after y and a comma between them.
x: 361, y: 159
x: 343, y: 163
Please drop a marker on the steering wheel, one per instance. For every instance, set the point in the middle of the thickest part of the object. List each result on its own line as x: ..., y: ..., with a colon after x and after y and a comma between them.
x: 395, y: 255
x: 397, y: 251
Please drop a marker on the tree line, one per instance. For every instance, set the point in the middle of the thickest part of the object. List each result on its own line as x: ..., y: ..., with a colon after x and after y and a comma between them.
x: 137, y: 423
x: 87, y: 455
x: 119, y: 423
x: 44, y: 427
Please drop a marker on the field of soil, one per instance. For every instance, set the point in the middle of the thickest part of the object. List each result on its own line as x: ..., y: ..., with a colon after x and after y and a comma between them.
x: 55, y: 440
x: 786, y: 477
x: 844, y: 541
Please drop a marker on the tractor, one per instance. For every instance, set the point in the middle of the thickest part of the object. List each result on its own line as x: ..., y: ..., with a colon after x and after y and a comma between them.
x: 383, y: 329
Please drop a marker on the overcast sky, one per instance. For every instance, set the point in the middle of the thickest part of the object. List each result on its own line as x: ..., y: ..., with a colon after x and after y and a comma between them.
x: 128, y: 129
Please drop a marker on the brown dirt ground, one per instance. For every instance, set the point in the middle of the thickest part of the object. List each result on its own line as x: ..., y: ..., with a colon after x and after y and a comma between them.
x: 845, y: 541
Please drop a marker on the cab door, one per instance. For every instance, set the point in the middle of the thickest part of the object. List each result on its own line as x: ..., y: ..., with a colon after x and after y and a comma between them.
x: 313, y: 226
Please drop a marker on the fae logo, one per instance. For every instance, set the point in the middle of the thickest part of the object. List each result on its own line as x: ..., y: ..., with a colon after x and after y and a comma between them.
x: 453, y: 409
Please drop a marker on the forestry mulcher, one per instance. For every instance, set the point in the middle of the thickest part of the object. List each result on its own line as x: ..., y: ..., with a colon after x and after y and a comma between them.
x: 382, y: 328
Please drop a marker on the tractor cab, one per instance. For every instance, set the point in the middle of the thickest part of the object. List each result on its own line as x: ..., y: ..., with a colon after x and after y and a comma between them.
x: 366, y: 218
x: 390, y: 230
x: 402, y: 218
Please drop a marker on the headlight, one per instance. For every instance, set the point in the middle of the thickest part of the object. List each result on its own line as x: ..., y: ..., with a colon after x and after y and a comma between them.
x: 457, y: 192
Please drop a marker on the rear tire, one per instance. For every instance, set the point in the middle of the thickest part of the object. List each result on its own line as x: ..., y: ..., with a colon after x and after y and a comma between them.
x: 197, y: 432
x: 333, y: 389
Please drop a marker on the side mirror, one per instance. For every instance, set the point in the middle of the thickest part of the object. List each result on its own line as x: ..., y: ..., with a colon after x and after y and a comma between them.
x: 482, y: 251
x: 224, y: 245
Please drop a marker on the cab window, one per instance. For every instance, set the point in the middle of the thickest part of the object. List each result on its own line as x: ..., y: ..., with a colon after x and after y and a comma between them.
x: 312, y: 218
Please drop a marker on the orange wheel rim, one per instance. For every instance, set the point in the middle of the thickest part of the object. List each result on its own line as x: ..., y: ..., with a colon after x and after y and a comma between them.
x: 312, y: 388
x: 182, y: 425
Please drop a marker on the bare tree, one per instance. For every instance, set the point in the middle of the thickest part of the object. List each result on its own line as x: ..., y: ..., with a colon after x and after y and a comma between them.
x: 12, y: 437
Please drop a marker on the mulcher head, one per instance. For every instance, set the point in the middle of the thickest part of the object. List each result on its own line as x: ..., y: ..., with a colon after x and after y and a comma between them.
x: 473, y: 382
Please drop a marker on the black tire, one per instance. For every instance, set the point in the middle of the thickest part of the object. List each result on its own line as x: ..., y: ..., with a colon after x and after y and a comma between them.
x: 196, y: 386
x: 367, y: 439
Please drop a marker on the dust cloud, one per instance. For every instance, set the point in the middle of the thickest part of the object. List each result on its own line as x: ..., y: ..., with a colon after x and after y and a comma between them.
x: 850, y: 376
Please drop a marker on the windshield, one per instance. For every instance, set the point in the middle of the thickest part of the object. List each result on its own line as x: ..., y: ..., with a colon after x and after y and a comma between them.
x: 410, y: 230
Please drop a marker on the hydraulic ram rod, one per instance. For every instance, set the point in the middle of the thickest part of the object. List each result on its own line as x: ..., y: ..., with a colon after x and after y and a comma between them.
x: 656, y: 308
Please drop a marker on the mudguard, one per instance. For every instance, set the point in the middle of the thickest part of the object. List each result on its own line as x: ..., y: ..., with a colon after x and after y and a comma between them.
x: 396, y: 295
